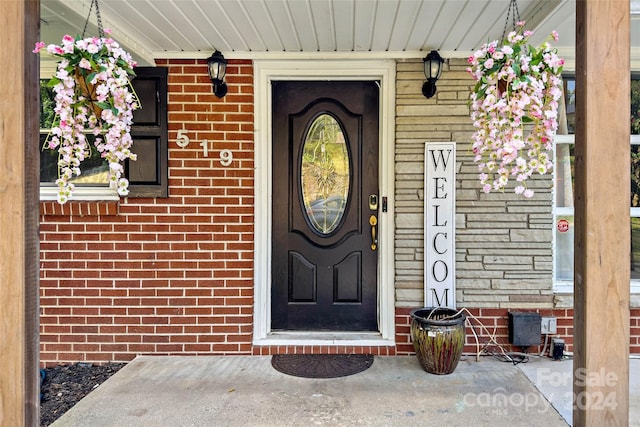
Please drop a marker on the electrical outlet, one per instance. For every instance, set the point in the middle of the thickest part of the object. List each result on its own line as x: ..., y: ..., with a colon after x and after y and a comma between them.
x: 549, y: 325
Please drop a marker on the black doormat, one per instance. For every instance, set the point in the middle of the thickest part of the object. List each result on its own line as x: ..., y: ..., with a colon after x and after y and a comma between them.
x: 321, y: 365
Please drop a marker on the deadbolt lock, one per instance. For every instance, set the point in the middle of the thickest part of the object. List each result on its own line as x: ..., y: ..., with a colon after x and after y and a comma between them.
x: 373, y: 202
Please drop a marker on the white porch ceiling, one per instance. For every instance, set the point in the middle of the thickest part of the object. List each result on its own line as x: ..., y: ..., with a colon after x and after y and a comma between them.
x: 152, y: 29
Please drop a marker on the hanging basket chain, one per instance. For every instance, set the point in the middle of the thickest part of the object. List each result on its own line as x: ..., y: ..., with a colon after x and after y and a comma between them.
x: 513, y: 13
x: 98, y: 18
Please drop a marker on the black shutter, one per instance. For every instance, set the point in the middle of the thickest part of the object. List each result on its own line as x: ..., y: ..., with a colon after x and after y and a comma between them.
x: 148, y: 175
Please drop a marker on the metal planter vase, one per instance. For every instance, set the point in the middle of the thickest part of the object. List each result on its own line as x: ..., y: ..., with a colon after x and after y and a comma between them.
x: 438, y: 336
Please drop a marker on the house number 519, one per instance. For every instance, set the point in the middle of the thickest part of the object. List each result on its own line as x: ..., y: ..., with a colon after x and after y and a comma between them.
x: 182, y: 141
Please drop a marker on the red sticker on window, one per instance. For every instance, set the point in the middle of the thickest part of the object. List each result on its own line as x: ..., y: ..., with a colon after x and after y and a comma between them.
x: 563, y: 226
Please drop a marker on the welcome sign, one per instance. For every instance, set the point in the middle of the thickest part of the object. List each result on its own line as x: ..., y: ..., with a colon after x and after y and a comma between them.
x: 439, y: 224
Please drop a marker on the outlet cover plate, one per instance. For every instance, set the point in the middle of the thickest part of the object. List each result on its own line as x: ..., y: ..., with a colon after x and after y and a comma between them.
x: 549, y: 325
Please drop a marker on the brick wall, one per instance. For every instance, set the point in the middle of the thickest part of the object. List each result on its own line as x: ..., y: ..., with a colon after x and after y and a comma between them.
x: 175, y: 275
x: 496, y: 322
x: 162, y: 276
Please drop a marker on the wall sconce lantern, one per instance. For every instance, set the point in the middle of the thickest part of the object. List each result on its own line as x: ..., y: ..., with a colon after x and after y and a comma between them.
x: 432, y: 71
x: 217, y: 69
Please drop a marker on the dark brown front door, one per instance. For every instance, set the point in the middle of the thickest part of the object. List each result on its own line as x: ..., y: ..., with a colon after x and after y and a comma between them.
x: 325, y: 206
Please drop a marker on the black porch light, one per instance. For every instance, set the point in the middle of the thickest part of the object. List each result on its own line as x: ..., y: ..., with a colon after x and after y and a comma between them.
x: 432, y: 71
x: 217, y: 69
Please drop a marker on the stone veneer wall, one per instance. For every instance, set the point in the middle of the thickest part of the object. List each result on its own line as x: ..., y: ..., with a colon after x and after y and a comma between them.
x: 503, y: 241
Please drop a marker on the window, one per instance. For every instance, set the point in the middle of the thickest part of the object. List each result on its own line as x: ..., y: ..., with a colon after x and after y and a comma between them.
x: 147, y: 175
x: 563, y: 209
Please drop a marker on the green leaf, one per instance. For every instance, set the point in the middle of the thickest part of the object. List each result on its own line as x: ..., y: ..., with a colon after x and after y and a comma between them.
x: 106, y: 106
x: 496, y: 67
x: 123, y: 64
x: 94, y: 64
x: 53, y: 81
x: 516, y: 50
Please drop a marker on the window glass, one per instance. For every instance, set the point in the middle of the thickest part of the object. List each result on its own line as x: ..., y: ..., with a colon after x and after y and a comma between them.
x: 635, y: 107
x: 635, y: 248
x: 635, y: 176
x: 47, y: 105
x: 570, y: 107
x: 94, y: 169
x: 564, y: 175
x: 565, y: 185
x: 325, y: 174
x: 564, y: 234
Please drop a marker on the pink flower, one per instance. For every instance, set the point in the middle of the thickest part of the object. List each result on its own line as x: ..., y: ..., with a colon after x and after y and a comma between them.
x: 84, y: 63
x: 55, y: 50
x: 73, y: 118
x: 39, y: 46
x: 504, y: 145
x: 92, y: 48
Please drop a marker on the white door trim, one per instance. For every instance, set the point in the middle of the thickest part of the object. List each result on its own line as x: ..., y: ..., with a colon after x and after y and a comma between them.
x: 266, y: 71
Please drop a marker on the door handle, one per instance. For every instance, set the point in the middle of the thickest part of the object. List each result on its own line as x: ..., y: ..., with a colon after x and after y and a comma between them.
x: 373, y: 221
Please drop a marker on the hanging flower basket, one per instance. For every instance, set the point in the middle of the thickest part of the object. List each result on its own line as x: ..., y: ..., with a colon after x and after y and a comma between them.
x: 514, y: 108
x: 93, y: 95
x: 88, y: 90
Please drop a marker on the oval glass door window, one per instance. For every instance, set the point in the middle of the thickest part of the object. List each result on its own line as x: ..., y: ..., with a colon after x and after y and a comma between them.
x: 325, y: 174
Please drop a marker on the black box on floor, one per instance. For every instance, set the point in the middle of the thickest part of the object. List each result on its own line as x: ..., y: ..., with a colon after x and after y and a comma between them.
x: 557, y: 348
x: 524, y: 328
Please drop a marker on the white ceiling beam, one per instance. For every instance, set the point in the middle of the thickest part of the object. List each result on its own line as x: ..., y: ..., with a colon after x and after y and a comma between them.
x: 540, y: 11
x: 73, y: 15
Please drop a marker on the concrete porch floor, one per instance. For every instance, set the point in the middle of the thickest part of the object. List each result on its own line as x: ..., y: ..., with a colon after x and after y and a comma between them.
x: 394, y: 391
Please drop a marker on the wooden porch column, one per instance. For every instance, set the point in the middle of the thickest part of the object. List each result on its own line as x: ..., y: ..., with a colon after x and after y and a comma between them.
x: 19, y: 176
x: 602, y: 201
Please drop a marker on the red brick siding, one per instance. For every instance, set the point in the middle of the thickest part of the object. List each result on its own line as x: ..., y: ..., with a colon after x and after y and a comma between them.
x: 324, y: 349
x: 162, y: 276
x: 175, y: 275
x: 495, y: 320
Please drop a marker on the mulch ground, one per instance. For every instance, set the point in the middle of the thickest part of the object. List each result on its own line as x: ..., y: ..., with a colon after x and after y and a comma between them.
x: 65, y: 385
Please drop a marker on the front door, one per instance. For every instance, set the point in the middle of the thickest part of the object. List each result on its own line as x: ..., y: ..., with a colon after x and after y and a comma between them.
x: 325, y: 205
